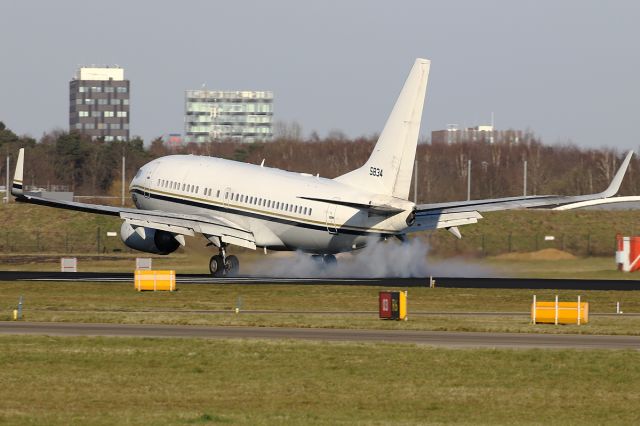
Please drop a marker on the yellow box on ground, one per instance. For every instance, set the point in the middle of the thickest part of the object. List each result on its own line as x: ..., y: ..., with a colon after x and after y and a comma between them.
x: 559, y: 313
x: 403, y: 305
x: 155, y: 280
x: 393, y: 305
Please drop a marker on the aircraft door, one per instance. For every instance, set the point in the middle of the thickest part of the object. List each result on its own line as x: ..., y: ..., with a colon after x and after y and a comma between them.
x: 146, y: 183
x: 226, y: 195
x: 332, y: 228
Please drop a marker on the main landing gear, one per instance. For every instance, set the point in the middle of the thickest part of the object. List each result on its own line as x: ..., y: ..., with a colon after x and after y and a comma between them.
x: 222, y: 265
x: 325, y: 260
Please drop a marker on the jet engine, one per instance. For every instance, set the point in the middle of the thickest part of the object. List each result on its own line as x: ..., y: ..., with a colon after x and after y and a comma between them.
x: 154, y: 241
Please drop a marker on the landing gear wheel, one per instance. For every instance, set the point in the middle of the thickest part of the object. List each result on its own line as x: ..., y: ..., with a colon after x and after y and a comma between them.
x: 216, y: 266
x: 232, y: 266
x: 330, y: 260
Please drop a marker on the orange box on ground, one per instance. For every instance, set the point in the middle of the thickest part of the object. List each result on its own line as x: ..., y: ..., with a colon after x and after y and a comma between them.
x: 567, y: 312
x: 155, y: 280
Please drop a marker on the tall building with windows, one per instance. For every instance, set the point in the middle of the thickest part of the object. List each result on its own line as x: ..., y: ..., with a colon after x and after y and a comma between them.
x: 99, y: 103
x: 245, y: 116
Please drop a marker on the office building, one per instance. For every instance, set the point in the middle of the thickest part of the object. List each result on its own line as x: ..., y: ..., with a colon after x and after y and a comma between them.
x: 245, y: 116
x: 99, y: 103
x: 484, y: 134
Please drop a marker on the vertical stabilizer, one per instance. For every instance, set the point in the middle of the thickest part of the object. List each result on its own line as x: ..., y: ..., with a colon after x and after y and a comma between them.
x: 17, y: 185
x: 388, y: 171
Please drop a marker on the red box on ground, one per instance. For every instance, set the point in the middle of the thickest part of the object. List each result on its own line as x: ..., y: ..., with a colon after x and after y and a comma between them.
x: 385, y: 301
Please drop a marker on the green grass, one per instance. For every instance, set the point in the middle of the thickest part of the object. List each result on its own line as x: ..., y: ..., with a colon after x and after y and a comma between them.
x: 581, y: 232
x: 48, y: 380
x: 580, y: 268
x: 38, y: 229
x: 291, y: 306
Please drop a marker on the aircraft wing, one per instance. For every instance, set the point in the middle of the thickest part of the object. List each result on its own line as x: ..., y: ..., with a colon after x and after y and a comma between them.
x: 445, y: 215
x: 216, y: 229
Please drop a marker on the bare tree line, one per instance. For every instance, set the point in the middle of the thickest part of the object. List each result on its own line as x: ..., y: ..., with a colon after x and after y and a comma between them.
x: 93, y: 167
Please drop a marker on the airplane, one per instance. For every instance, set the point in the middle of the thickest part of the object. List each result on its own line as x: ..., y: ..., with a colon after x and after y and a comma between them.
x: 254, y: 206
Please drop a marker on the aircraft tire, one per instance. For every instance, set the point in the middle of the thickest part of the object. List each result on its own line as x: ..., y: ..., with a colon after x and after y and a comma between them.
x: 330, y: 260
x: 232, y: 266
x: 216, y: 266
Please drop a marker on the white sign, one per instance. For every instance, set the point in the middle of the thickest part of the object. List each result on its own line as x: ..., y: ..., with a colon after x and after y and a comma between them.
x: 549, y: 238
x: 69, y: 264
x: 143, y: 263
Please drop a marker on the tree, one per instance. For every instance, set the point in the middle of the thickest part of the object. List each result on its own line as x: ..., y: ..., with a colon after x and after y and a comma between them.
x: 72, y: 150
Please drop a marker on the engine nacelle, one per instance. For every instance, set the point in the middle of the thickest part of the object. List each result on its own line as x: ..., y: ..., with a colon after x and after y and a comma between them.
x: 155, y: 241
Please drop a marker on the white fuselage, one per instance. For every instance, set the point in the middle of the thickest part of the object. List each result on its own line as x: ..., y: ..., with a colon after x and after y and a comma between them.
x: 266, y: 201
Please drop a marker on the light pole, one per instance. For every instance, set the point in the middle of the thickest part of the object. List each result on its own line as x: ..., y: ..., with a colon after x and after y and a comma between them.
x: 469, y: 180
x: 524, y: 172
x: 123, y: 173
x: 415, y: 182
x: 6, y: 191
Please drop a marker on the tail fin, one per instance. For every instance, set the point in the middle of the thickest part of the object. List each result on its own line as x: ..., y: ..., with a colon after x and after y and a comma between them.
x: 17, y: 185
x: 388, y: 171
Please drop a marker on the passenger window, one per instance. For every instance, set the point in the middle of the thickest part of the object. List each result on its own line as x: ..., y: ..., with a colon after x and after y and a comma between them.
x: 218, y: 194
x: 197, y: 187
x: 309, y: 211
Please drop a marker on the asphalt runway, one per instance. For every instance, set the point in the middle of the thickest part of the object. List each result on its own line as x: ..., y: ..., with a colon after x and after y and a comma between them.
x: 447, y: 282
x: 430, y: 338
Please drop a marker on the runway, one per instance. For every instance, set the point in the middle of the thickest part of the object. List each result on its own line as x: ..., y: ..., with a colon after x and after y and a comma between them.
x: 430, y: 338
x: 446, y: 282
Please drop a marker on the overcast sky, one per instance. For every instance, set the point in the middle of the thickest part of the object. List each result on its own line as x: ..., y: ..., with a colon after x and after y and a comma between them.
x: 567, y: 70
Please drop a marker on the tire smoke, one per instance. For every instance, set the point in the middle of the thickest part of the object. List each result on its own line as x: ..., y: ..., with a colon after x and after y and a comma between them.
x: 378, y: 259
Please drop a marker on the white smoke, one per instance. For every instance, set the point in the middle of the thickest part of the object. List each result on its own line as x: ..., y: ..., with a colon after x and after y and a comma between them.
x: 379, y: 259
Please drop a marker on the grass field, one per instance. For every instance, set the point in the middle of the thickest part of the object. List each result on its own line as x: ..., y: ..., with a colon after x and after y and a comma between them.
x: 581, y: 232
x: 308, y: 306
x: 187, y: 381
x: 50, y: 380
x: 195, y: 260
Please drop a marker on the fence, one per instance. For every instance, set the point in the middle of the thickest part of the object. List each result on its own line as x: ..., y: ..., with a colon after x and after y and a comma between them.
x: 441, y: 243
x: 584, y: 244
x: 63, y: 241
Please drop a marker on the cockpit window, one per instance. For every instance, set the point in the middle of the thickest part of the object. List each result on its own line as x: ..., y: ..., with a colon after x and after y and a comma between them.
x: 138, y: 173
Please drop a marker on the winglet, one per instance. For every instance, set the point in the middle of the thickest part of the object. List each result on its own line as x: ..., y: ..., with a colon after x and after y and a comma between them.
x: 16, y: 187
x: 617, y: 179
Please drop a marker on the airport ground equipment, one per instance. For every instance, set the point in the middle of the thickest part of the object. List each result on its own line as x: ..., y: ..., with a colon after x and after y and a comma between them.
x: 627, y: 253
x: 69, y: 264
x: 559, y: 312
x: 155, y: 280
x: 17, y: 313
x: 393, y: 305
x: 144, y: 263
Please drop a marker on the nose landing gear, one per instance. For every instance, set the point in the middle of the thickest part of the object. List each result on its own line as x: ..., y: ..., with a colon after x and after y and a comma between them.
x: 222, y: 265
